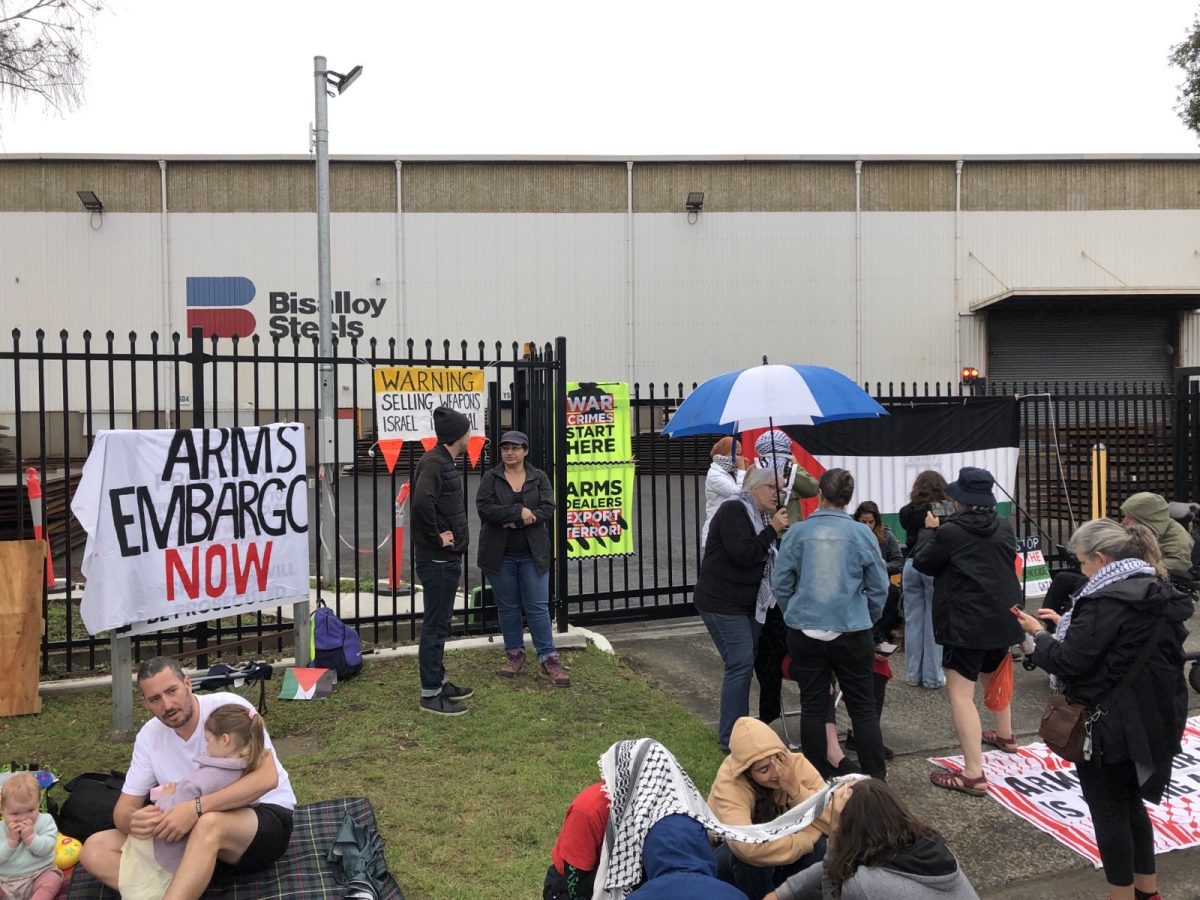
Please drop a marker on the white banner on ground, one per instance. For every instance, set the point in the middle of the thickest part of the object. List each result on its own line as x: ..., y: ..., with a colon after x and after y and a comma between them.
x: 189, y: 525
x: 1044, y: 790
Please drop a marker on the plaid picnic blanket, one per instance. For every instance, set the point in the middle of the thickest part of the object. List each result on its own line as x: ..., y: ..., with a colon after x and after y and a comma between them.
x: 303, y: 873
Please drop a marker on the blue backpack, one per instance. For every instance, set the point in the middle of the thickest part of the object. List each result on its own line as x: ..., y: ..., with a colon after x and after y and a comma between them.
x: 333, y: 644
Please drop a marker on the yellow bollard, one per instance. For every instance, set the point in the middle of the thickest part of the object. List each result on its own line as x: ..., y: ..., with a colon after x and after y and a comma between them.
x: 1099, y: 481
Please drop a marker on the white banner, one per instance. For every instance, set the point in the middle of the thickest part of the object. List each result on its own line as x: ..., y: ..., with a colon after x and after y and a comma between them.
x: 1043, y: 789
x: 192, y: 524
x: 406, y: 396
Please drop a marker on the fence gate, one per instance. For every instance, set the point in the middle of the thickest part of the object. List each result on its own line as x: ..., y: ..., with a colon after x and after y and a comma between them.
x: 56, y: 392
x: 1187, y: 434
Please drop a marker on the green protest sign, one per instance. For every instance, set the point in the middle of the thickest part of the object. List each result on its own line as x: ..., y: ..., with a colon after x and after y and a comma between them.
x: 600, y: 510
x: 598, y: 422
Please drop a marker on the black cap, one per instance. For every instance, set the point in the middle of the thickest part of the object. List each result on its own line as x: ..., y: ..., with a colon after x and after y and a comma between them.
x: 449, y: 424
x: 515, y: 437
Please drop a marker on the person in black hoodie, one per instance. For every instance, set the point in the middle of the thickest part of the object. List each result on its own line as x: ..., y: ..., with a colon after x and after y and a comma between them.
x: 971, y: 556
x: 439, y: 539
x: 1123, y: 607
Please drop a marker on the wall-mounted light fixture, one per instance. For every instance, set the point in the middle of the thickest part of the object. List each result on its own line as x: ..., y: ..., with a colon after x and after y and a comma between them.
x: 695, y: 203
x: 93, y: 205
x: 90, y: 201
x: 971, y: 378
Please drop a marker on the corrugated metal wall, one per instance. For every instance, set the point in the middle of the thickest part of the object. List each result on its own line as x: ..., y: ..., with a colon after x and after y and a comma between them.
x: 777, y: 263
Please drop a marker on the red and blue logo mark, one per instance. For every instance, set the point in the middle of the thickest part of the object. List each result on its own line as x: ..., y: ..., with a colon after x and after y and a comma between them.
x: 215, y: 305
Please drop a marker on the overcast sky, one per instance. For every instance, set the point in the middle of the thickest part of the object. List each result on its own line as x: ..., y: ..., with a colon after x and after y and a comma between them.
x: 626, y: 78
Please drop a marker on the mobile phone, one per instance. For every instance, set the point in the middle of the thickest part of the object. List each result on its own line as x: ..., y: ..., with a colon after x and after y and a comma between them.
x: 885, y: 649
x: 1016, y: 610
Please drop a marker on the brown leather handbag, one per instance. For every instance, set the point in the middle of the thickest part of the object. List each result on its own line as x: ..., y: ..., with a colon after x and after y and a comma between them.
x: 1066, y: 727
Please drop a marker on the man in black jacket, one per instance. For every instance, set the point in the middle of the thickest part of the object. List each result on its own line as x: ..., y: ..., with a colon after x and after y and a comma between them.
x: 439, y: 539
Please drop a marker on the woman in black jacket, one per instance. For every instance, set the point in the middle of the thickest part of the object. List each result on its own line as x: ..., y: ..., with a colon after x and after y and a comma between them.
x: 515, y: 504
x: 1123, y: 607
x: 733, y: 591
x: 971, y: 556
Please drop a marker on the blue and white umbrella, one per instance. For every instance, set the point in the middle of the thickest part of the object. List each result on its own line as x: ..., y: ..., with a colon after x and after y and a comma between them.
x: 770, y: 395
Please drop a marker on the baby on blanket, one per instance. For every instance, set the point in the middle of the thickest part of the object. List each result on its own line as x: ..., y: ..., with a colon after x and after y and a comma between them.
x: 233, y: 735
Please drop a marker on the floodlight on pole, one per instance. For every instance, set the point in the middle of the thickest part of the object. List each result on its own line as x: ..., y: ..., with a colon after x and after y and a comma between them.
x: 343, y: 82
x: 326, y: 409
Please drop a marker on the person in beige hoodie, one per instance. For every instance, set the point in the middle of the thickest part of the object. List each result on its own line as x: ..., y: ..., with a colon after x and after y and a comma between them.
x: 759, y: 780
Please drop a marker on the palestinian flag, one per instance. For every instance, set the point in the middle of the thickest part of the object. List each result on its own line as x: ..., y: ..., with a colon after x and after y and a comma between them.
x: 885, y: 455
x: 307, y: 684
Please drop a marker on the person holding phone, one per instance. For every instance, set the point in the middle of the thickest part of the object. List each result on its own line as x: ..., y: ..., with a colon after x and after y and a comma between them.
x: 970, y: 557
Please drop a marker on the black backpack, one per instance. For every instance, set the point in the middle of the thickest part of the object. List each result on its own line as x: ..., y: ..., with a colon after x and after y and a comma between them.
x: 89, y: 808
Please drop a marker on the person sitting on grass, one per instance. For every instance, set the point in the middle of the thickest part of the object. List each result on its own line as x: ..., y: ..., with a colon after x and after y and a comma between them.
x: 757, y: 782
x: 27, y: 842
x: 576, y: 852
x: 233, y: 737
x: 679, y: 863
x: 241, y: 828
x: 877, y: 848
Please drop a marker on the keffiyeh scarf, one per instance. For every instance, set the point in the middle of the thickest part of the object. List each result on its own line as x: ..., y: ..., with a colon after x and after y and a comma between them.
x: 766, y: 595
x: 1117, y: 570
x: 644, y: 784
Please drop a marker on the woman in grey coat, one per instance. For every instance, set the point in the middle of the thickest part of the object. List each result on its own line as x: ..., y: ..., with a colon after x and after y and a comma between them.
x: 878, y: 851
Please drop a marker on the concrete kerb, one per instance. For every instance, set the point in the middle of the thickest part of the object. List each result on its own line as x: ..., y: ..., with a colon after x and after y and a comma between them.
x: 574, y: 639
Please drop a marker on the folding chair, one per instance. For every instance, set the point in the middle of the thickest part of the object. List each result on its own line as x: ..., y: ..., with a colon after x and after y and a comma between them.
x: 222, y: 677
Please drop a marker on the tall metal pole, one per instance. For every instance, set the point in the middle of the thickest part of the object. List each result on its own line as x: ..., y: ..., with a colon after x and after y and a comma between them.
x: 326, y: 400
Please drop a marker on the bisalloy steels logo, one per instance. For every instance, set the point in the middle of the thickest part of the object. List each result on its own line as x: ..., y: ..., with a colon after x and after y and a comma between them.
x: 217, y: 305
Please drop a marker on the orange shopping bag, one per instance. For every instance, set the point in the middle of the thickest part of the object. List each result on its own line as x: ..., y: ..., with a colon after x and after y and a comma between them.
x: 999, y: 691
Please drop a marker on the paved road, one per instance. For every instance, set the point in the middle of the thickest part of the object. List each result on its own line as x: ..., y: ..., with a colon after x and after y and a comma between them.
x: 1007, y: 858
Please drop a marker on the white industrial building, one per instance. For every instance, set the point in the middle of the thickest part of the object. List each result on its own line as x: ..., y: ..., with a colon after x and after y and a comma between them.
x: 888, y: 269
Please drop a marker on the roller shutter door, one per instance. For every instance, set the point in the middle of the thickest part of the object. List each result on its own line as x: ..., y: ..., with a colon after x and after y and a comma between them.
x: 1066, y: 346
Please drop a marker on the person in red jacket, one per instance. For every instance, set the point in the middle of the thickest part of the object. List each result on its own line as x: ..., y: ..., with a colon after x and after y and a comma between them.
x: 576, y: 853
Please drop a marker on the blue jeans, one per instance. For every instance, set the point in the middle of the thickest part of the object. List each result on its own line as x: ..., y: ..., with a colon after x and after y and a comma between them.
x: 517, y: 586
x: 922, y: 654
x: 736, y: 637
x: 439, y: 582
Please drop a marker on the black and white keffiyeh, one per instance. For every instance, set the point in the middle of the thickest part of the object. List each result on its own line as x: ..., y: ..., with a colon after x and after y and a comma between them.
x: 766, y: 594
x: 1117, y: 570
x: 644, y: 784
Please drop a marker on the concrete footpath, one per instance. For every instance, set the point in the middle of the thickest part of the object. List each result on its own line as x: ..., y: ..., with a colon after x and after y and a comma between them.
x: 1006, y: 857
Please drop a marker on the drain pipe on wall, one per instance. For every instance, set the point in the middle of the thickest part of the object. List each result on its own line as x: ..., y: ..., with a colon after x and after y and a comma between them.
x: 858, y: 322
x: 631, y: 325
x: 958, y: 167
x: 402, y: 299
x: 164, y: 250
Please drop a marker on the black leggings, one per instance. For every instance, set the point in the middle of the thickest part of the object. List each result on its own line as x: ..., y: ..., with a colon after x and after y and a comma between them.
x: 1123, y: 830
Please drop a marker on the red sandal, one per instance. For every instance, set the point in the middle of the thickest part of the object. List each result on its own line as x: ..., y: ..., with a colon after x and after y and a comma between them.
x: 1008, y: 745
x: 957, y: 781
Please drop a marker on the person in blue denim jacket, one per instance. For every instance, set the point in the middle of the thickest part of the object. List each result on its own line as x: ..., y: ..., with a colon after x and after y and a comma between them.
x: 831, y: 583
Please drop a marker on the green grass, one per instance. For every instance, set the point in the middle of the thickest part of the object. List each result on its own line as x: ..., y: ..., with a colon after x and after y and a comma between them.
x: 469, y: 807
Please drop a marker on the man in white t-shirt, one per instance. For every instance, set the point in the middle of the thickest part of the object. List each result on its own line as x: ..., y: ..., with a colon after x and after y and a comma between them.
x: 240, y: 828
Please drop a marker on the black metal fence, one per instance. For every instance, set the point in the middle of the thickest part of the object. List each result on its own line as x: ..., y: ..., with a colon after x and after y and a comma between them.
x: 1063, y: 426
x: 61, y: 391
